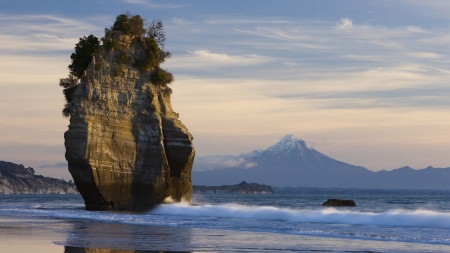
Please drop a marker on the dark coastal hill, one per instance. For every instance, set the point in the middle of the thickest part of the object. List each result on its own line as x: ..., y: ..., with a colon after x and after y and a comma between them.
x: 243, y: 187
x: 16, y: 179
x: 290, y: 163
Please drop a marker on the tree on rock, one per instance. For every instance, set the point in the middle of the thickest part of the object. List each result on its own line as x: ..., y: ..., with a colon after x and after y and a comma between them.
x: 151, y: 37
x: 84, y: 50
x: 129, y: 24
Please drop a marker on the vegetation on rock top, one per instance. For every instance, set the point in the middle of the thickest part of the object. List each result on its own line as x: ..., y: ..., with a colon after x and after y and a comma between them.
x: 129, y: 24
x: 151, y: 38
x: 84, y: 50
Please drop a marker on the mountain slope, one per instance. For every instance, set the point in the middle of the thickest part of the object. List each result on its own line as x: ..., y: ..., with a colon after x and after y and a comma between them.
x: 290, y: 163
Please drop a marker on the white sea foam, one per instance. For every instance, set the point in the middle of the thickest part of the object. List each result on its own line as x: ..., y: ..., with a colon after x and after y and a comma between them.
x: 398, y: 218
x: 394, y: 218
x: 393, y: 225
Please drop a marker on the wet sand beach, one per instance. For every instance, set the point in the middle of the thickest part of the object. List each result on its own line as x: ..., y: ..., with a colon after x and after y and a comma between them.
x: 23, y: 234
x: 26, y: 235
x: 228, y: 223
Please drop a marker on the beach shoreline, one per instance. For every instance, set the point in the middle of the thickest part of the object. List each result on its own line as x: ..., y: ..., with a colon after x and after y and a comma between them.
x: 16, y: 235
x: 230, y: 223
x: 39, y: 235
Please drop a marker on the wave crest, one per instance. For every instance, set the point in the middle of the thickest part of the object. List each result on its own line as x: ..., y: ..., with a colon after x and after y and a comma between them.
x: 402, y: 218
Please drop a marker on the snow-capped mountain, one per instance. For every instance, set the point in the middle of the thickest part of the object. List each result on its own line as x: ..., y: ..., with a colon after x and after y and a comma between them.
x: 289, y: 162
x: 291, y: 148
x: 287, y: 146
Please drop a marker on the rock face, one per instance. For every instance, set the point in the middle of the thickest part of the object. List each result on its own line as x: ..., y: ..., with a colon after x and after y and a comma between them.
x: 126, y: 147
x: 339, y: 202
x: 16, y: 179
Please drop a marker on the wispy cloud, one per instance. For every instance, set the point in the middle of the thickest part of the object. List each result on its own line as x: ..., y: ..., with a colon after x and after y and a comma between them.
x: 227, y: 59
x: 25, y: 33
x: 219, y: 161
x: 348, y: 79
x: 290, y: 64
x: 345, y: 23
x: 428, y: 55
x: 275, y: 33
x: 245, y: 20
x: 180, y: 21
x: 45, y: 24
x: 153, y: 4
x: 206, y: 58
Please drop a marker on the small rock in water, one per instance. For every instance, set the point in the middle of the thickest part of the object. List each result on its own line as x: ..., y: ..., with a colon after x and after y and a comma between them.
x: 339, y: 202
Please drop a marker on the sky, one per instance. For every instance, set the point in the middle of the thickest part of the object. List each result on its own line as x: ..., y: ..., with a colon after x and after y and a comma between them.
x: 364, y: 82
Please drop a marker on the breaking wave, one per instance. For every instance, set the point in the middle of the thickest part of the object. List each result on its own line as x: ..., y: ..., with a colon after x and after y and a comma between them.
x: 159, y: 215
x: 397, y: 218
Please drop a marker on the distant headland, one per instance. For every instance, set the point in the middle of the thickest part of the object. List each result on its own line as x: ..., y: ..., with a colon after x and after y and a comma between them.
x: 16, y: 179
x: 243, y: 188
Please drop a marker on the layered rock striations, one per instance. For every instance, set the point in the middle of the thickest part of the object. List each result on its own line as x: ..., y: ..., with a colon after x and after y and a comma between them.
x: 126, y: 147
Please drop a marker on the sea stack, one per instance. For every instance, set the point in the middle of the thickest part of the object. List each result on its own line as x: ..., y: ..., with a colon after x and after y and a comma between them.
x: 126, y: 147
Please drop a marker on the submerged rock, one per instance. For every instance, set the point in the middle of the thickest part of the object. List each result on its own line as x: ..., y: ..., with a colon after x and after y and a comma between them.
x: 339, y: 202
x: 126, y: 147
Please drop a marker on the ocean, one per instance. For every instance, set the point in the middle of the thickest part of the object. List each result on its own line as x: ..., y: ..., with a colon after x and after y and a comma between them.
x: 382, y: 221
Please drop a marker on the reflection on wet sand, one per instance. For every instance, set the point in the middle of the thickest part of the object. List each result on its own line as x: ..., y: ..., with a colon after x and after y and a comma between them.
x: 68, y: 249
x: 108, y: 237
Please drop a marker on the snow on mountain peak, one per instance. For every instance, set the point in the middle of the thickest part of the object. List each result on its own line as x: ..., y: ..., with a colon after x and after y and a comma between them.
x: 288, y: 145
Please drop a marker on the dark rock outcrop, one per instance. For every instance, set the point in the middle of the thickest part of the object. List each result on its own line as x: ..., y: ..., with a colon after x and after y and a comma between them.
x: 339, y: 202
x: 126, y: 147
x: 16, y: 179
x: 243, y: 187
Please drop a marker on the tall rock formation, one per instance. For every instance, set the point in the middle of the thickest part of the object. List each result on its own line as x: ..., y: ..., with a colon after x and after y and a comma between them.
x: 126, y: 147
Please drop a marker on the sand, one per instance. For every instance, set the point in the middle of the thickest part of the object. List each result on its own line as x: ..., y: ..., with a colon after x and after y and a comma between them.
x: 17, y: 236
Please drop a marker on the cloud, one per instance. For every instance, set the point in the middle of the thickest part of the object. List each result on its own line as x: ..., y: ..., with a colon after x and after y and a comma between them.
x: 208, y: 59
x: 227, y: 59
x: 312, y: 144
x: 204, y: 163
x: 298, y: 40
x: 38, y: 33
x: 428, y: 55
x: 180, y: 21
x: 345, y: 23
x: 153, y: 4
x: 416, y: 29
x: 276, y: 32
x: 397, y: 98
x: 252, y: 72
x: 24, y: 24
x: 290, y: 64
x: 245, y: 20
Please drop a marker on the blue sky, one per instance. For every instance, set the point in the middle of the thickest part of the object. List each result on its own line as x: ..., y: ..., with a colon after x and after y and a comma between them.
x: 365, y: 82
